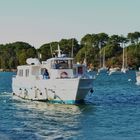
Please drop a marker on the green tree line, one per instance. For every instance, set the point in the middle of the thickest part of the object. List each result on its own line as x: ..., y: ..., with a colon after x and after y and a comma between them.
x: 90, y: 46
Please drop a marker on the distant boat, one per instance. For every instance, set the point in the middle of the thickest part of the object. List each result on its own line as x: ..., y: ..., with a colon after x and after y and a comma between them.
x: 124, y: 68
x: 56, y: 80
x: 103, y: 68
x: 115, y: 70
x: 138, y: 77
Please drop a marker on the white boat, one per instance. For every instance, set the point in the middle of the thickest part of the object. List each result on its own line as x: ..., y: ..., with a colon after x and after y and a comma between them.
x: 124, y: 68
x: 115, y: 70
x: 103, y: 70
x: 67, y: 83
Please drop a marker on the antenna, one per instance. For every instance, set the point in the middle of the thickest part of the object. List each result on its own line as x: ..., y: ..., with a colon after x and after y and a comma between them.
x: 39, y: 56
x: 59, y: 51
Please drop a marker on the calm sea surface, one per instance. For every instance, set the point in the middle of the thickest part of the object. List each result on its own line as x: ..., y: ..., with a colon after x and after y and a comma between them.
x: 112, y: 113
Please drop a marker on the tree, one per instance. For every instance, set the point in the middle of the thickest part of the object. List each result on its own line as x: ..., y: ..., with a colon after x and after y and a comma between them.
x: 102, y: 39
x: 87, y: 39
x: 133, y: 37
x: 66, y: 45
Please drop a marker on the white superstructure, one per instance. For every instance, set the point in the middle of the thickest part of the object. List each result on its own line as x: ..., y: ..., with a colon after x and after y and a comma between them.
x: 67, y: 83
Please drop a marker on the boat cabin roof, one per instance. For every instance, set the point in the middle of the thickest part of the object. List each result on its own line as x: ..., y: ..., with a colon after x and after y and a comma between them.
x: 28, y: 66
x: 59, y: 58
x: 48, y: 63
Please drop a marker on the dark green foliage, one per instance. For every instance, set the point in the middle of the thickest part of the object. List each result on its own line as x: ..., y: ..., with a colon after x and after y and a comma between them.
x: 90, y: 47
x: 14, y: 54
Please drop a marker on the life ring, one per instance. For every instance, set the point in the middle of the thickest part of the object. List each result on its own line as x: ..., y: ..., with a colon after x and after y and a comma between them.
x: 64, y: 74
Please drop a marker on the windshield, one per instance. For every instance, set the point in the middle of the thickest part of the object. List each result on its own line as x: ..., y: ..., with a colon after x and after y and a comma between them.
x: 62, y: 64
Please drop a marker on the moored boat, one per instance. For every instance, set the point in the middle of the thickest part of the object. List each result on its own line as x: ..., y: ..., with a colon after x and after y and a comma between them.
x: 102, y: 69
x: 115, y: 70
x: 138, y: 77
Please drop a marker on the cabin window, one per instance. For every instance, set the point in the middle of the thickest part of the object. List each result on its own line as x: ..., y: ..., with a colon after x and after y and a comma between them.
x: 74, y: 71
x: 27, y: 72
x: 61, y: 64
x: 54, y: 64
x: 20, y: 72
x: 80, y: 70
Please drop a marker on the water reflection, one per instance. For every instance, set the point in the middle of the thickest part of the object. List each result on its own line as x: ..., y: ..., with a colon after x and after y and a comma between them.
x: 43, y: 106
x: 51, y: 121
x: 40, y: 120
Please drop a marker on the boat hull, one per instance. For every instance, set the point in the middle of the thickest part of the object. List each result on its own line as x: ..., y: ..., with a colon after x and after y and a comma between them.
x: 67, y: 91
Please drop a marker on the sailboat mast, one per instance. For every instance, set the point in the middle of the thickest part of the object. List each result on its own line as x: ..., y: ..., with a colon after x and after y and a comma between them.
x: 123, y: 56
x: 85, y: 59
x: 100, y: 55
x: 104, y: 58
x: 72, y: 49
x: 126, y: 57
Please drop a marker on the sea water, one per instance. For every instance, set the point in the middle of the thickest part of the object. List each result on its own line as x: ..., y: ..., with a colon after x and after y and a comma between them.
x: 112, y: 112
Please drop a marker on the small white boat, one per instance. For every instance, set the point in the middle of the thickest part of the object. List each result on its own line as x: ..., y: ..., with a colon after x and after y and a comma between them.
x: 65, y: 83
x: 115, y: 70
x: 138, y: 77
x: 124, y: 68
x: 103, y: 70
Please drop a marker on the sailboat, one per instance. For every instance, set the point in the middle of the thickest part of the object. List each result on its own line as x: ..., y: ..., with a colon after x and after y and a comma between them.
x: 103, y: 68
x: 124, y: 63
x: 124, y: 69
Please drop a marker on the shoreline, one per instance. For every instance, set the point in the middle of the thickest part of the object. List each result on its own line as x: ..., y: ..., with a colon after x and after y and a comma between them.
x: 8, y: 70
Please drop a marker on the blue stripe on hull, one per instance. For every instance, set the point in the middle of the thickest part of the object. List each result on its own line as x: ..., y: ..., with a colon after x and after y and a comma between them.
x: 66, y: 101
x: 55, y: 101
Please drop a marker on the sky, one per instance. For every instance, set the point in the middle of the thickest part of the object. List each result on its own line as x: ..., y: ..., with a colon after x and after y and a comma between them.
x: 42, y: 21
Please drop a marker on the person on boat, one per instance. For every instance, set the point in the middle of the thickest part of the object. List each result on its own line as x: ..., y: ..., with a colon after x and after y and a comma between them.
x: 56, y: 65
x: 46, y: 74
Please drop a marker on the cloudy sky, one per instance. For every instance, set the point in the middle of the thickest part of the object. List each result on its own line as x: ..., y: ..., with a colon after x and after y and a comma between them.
x: 41, y: 21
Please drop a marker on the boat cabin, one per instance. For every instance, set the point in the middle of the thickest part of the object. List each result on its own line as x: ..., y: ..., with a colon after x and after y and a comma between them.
x: 59, y: 67
x: 56, y: 68
x: 29, y: 71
